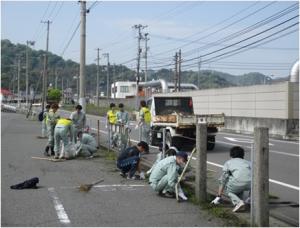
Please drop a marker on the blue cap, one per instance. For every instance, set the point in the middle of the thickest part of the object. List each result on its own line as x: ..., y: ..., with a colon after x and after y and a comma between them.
x: 183, y: 155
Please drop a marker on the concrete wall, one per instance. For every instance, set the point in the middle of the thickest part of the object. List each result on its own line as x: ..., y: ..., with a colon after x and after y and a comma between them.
x: 128, y: 102
x: 274, y: 106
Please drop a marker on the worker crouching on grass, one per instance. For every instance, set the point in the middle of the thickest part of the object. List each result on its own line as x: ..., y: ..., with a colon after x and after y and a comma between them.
x: 164, y: 175
x: 235, y: 179
x: 129, y: 161
x: 63, y: 129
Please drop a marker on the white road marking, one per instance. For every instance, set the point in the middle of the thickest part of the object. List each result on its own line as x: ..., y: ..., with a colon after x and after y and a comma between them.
x: 60, y: 211
x: 284, y: 184
x: 271, y: 151
x: 270, y: 180
x: 118, y: 185
x: 241, y: 140
x: 247, y: 136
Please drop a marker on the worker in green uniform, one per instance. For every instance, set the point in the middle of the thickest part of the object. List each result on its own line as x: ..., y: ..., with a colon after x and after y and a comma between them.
x: 78, y: 118
x: 44, y: 125
x: 144, y: 122
x: 87, y: 145
x: 63, y: 129
x: 235, y: 179
x: 51, y: 119
x: 123, y: 127
x: 164, y: 175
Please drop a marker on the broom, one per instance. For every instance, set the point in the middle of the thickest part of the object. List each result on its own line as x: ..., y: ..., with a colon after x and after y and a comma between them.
x: 183, y: 172
x: 87, y: 187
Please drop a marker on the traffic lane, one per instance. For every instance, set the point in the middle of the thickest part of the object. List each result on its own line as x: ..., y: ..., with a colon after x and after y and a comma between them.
x: 286, y: 172
x: 28, y: 207
x: 280, y: 145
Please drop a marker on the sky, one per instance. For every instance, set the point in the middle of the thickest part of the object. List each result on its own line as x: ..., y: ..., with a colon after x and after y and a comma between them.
x: 236, y: 37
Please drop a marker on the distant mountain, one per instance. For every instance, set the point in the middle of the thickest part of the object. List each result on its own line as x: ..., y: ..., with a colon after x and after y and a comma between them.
x: 67, y: 70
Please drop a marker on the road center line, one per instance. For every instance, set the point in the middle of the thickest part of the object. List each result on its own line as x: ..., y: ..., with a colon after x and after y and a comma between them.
x: 271, y: 151
x: 251, y: 137
x: 60, y: 211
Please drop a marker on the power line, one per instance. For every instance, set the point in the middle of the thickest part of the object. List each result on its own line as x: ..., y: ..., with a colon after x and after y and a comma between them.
x: 61, y: 5
x: 39, y: 25
x: 248, y: 45
x: 54, y: 7
x: 248, y: 29
x: 92, y: 6
x: 231, y: 45
x: 221, y: 49
x: 217, y: 44
x: 252, y: 47
x: 70, y: 28
x: 219, y: 30
x: 71, y: 38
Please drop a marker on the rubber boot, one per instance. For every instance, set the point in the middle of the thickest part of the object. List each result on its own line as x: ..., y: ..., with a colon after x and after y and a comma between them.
x: 46, y: 153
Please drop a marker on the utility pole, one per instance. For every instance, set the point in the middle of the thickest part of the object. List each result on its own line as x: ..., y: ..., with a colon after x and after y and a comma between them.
x: 199, y: 66
x: 56, y: 74
x: 138, y: 27
x: 83, y: 12
x: 45, y: 72
x: 114, y: 79
x: 97, y: 87
x: 146, y: 52
x: 176, y: 73
x: 62, y: 88
x: 106, y: 55
x: 19, y: 71
x: 179, y: 70
x: 28, y: 42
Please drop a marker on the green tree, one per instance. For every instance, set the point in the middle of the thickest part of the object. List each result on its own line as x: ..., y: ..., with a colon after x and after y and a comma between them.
x: 54, y: 95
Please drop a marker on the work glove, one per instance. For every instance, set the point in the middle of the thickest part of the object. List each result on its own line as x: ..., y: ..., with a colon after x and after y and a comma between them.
x: 181, y: 194
x: 142, y: 175
x: 216, y: 201
x: 106, y: 126
x: 136, y: 127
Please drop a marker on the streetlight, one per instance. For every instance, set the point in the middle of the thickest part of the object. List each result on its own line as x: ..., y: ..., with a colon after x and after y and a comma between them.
x: 28, y: 42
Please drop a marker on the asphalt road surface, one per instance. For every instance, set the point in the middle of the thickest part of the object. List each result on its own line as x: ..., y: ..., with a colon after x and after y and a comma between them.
x: 58, y: 202
x: 284, y: 164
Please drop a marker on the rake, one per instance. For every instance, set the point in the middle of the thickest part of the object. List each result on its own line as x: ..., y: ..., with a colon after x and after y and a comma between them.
x: 87, y: 187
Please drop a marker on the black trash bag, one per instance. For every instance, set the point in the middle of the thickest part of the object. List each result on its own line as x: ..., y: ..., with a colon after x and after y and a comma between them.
x: 31, y: 183
x: 41, y: 116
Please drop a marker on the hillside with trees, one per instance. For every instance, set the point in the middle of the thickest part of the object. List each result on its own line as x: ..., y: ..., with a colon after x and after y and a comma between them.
x: 68, y: 70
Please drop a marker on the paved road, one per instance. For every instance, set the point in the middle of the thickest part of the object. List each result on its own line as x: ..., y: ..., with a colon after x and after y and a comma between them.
x: 284, y: 163
x: 115, y: 202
